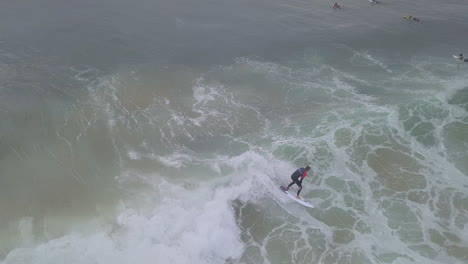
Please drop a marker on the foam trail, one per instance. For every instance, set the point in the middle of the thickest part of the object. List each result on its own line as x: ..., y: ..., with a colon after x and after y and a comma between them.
x: 163, y: 236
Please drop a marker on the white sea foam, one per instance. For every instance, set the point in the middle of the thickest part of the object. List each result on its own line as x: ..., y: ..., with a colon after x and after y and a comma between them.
x: 188, y: 226
x: 383, y: 192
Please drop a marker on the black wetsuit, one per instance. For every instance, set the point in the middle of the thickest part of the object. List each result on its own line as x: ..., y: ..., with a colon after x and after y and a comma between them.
x: 296, y: 178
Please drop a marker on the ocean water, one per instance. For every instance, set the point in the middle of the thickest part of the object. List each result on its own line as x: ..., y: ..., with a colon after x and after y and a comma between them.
x: 156, y: 132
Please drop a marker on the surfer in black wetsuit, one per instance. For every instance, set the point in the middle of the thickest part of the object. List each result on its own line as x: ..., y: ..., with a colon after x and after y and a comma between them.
x: 297, y: 178
x: 460, y: 57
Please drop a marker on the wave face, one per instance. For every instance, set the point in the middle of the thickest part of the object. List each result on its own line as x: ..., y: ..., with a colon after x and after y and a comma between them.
x: 130, y: 147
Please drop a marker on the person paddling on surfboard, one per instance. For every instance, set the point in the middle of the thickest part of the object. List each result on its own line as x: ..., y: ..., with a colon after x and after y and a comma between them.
x: 336, y: 6
x: 411, y: 18
x: 460, y: 57
x: 297, y: 178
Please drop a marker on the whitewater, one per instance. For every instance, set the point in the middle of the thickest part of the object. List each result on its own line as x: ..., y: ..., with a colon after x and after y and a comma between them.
x: 159, y: 131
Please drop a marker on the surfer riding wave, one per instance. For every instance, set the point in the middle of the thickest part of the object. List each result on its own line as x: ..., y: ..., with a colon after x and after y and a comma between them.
x: 297, y: 177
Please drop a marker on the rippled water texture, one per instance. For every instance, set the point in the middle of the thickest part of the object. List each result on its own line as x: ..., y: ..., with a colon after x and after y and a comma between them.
x: 158, y: 132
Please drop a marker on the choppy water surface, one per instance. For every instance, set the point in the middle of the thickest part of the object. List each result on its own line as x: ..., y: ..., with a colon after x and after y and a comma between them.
x: 158, y: 132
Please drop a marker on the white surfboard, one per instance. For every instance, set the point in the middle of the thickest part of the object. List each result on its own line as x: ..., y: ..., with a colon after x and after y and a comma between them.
x: 456, y: 57
x: 293, y: 197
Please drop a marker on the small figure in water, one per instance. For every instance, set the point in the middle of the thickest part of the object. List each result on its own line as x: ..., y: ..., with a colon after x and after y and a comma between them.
x: 374, y: 1
x: 299, y: 173
x: 411, y: 18
x: 460, y: 57
x: 336, y: 6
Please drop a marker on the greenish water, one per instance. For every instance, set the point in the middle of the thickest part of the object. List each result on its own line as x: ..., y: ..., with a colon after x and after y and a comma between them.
x: 158, y: 132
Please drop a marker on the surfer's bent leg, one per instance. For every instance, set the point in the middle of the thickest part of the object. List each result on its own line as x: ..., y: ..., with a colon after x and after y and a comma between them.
x: 295, y: 180
x: 299, y: 183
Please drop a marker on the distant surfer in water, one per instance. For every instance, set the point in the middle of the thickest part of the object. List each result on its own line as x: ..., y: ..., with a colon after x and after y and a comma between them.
x: 460, y: 57
x: 336, y: 6
x: 374, y: 1
x: 411, y: 18
x: 297, y: 178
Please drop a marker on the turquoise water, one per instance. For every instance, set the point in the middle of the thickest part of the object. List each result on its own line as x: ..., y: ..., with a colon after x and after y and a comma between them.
x: 158, y: 132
